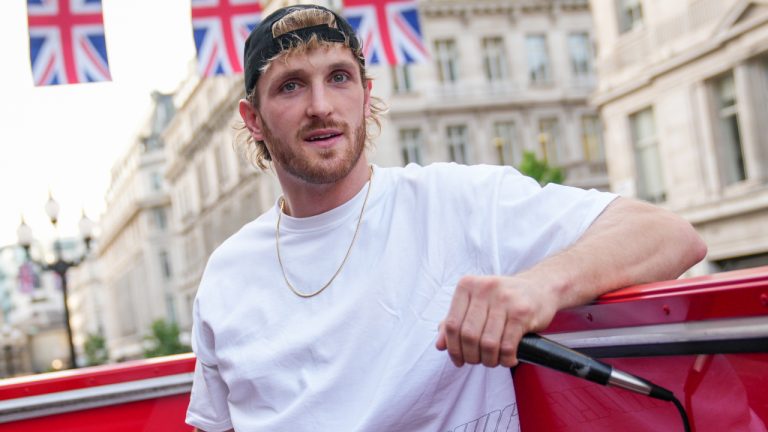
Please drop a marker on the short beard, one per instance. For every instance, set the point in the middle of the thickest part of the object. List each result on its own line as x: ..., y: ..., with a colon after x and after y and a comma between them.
x: 331, y: 167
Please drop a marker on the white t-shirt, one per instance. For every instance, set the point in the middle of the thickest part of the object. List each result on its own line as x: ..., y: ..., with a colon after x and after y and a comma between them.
x: 361, y: 355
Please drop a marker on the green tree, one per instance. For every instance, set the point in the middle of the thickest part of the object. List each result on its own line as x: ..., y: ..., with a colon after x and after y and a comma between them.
x: 96, y: 350
x: 539, y: 169
x: 164, y: 340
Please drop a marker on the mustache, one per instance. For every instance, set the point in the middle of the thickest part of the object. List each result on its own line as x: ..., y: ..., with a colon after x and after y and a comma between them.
x: 322, y: 124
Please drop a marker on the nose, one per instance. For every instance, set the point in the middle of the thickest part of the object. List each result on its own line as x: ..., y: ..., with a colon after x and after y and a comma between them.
x: 319, y: 105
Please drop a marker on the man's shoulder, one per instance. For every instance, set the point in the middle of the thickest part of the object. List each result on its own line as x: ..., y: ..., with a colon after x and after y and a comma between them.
x: 448, y: 170
x: 250, y: 240
x: 442, y: 176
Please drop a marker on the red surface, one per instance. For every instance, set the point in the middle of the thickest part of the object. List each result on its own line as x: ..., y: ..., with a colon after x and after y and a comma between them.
x: 742, y: 293
x: 95, y: 376
x: 155, y: 415
x: 720, y: 392
x: 158, y: 414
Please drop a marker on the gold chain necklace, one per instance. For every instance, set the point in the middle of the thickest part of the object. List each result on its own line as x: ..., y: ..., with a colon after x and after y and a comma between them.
x: 354, y: 237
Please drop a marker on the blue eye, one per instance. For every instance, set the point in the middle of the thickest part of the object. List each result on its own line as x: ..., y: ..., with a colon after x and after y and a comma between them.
x: 340, y: 77
x: 289, y: 87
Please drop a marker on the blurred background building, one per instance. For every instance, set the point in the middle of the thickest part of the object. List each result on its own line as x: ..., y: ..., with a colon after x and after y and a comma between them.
x: 683, y: 92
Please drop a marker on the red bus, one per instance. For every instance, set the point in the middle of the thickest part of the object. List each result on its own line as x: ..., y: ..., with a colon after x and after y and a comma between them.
x: 703, y: 338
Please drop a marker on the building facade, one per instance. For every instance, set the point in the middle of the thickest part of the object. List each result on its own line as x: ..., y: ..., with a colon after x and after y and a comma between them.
x: 134, y: 253
x: 214, y: 190
x: 504, y: 77
x: 683, y: 92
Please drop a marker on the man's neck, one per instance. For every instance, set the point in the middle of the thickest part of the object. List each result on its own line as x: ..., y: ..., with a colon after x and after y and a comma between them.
x: 303, y: 199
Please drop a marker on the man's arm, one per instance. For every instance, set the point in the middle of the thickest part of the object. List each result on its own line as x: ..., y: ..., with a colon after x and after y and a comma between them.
x: 630, y: 243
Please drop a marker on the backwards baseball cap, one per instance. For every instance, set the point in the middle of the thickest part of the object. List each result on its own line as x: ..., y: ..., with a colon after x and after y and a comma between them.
x: 261, y: 45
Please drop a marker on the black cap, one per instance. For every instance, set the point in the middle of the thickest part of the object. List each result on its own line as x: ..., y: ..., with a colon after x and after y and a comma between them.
x: 260, y: 46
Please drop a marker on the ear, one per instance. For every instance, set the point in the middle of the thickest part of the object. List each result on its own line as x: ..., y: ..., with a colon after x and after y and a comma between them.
x: 367, y: 98
x: 251, y: 119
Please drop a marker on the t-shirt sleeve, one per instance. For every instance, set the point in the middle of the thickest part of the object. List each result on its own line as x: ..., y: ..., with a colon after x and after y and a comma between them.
x: 531, y: 222
x: 208, y: 408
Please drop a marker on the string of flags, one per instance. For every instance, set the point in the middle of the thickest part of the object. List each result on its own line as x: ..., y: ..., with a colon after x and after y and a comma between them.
x: 67, y: 42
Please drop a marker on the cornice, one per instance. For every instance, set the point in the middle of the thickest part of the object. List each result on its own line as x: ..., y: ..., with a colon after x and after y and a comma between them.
x: 651, y: 72
x: 460, y: 8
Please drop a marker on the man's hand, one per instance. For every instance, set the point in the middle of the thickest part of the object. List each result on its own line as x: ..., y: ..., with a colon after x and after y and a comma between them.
x: 630, y: 243
x: 489, y: 315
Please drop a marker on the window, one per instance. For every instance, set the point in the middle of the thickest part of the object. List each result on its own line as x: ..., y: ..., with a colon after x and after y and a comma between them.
x: 457, y: 144
x: 156, y: 181
x: 222, y: 170
x: 170, y: 307
x: 410, y: 145
x: 160, y: 219
x: 538, y: 59
x: 742, y: 262
x: 729, y: 147
x: 505, y: 140
x: 190, y: 253
x: 650, y: 181
x: 549, y: 139
x: 401, y: 79
x: 202, y: 180
x: 630, y: 14
x: 124, y: 300
x: 494, y: 59
x: 580, y: 53
x: 165, y: 265
x: 591, y: 138
x: 447, y: 59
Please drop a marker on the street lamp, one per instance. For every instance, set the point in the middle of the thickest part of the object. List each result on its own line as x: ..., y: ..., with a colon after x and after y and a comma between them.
x: 60, y: 265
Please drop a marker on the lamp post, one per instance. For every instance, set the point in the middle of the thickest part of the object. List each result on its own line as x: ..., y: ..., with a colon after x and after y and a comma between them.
x: 60, y: 265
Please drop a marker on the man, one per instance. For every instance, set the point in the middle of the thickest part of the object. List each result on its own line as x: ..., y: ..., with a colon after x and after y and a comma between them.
x: 384, y: 299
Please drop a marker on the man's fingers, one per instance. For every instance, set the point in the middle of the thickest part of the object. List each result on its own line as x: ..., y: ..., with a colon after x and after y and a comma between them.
x: 490, y: 341
x: 453, y: 322
x: 472, y: 329
x: 440, y: 343
x: 509, y: 341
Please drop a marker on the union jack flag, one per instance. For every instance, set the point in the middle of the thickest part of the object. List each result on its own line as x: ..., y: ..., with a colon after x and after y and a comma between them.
x: 389, y: 29
x: 220, y: 28
x: 66, y: 42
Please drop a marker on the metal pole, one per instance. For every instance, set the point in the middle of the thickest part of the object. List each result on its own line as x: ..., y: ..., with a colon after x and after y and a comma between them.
x: 61, y: 267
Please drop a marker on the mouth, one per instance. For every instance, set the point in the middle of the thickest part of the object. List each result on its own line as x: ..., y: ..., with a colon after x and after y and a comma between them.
x: 323, y: 136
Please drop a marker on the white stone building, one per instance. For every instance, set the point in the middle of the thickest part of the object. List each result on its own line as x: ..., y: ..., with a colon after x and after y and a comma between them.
x: 213, y: 190
x: 134, y: 252
x: 504, y: 77
x: 87, y: 301
x: 683, y: 92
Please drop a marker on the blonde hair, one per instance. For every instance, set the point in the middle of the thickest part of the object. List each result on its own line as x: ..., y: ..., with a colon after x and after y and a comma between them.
x: 256, y: 151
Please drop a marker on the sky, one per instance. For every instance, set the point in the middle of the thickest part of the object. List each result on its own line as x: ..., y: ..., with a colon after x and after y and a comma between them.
x: 65, y: 139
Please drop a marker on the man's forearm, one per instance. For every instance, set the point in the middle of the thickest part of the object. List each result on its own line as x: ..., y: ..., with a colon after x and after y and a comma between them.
x: 630, y: 243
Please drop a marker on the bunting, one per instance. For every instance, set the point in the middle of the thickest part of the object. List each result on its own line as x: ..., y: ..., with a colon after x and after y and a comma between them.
x: 220, y: 28
x: 390, y: 30
x: 66, y: 42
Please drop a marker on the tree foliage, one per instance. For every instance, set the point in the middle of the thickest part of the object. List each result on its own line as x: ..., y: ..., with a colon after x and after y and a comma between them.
x: 96, y: 350
x: 539, y: 169
x: 164, y: 340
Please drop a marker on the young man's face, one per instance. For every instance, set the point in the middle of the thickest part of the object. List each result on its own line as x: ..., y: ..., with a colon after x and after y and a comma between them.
x: 311, y: 114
